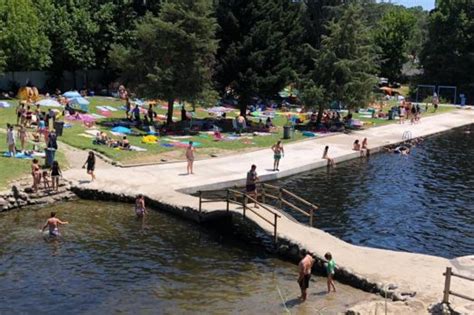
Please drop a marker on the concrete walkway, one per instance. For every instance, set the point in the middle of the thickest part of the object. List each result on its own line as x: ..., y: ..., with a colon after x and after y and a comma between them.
x: 168, y: 184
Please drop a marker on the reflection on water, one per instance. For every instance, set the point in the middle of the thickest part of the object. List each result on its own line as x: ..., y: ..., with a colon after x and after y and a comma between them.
x: 419, y: 203
x: 108, y: 262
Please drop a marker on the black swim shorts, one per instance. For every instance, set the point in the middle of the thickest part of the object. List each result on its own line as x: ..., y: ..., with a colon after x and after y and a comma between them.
x: 304, y: 283
x: 251, y: 187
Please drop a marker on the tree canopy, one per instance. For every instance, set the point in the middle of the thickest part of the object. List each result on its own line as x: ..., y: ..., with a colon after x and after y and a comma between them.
x: 345, y: 66
x: 448, y: 55
x: 173, y: 55
x: 23, y: 41
x: 392, y: 35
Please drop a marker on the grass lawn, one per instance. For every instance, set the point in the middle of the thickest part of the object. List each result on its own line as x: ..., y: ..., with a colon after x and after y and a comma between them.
x: 12, y: 168
x: 74, y: 135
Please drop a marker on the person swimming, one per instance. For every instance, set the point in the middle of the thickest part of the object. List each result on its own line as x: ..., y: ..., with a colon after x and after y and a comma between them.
x: 53, y: 224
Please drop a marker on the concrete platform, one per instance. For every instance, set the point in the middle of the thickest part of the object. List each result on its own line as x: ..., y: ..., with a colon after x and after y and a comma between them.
x: 167, y: 184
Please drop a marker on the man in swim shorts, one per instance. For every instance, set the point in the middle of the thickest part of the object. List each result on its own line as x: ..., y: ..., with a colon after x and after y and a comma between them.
x: 53, y: 224
x: 305, y: 266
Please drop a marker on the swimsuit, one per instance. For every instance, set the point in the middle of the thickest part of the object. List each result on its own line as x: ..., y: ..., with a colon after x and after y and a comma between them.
x: 304, y: 283
x: 330, y: 267
x: 139, y: 209
x: 54, y: 232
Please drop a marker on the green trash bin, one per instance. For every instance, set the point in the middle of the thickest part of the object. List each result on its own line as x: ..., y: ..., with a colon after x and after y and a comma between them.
x: 287, y: 132
x: 59, y: 126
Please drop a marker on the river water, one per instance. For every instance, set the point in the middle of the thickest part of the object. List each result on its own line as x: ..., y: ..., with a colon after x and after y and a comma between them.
x: 420, y: 203
x: 108, y: 262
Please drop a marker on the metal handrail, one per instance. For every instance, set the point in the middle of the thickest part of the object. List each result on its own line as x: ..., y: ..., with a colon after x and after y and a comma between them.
x: 282, y: 200
x: 447, y: 286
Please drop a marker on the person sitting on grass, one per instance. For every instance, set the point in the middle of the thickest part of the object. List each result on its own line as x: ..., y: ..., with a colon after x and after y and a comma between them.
x: 125, y: 144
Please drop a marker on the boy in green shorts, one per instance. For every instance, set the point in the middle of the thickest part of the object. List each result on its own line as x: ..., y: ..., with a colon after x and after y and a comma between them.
x: 330, y: 266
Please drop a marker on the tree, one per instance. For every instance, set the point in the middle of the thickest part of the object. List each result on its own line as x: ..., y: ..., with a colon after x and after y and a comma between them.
x: 448, y: 54
x: 345, y: 65
x: 73, y: 32
x: 258, y: 39
x: 392, y: 35
x: 174, y: 52
x: 23, y: 41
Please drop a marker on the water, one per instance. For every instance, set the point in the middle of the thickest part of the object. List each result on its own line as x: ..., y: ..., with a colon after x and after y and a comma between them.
x: 420, y: 203
x: 108, y: 262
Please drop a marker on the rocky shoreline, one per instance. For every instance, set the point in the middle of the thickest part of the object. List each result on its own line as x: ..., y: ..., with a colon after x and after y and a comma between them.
x: 21, y: 195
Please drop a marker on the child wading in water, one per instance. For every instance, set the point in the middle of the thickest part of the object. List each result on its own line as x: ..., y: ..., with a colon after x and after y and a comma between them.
x: 190, y: 157
x: 140, y: 209
x: 330, y: 266
x: 278, y: 153
x: 90, y: 164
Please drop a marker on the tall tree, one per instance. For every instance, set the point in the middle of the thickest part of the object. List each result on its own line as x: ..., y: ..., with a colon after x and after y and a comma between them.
x: 448, y: 54
x: 392, y: 35
x: 345, y: 65
x: 23, y: 40
x: 256, y: 53
x: 174, y: 52
x: 73, y: 32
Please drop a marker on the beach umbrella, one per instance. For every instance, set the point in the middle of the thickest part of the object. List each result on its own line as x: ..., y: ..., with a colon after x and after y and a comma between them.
x: 80, y: 103
x: 49, y: 103
x: 72, y: 94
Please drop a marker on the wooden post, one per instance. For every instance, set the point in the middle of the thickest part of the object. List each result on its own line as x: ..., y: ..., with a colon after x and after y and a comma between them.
x: 447, y: 285
x: 200, y: 201
x: 263, y: 193
x: 311, y: 211
x: 245, y: 203
x: 227, y: 199
x: 275, y: 235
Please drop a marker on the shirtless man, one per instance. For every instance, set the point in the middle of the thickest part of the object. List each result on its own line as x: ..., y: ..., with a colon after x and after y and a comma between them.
x: 190, y: 157
x: 305, y: 266
x: 53, y: 224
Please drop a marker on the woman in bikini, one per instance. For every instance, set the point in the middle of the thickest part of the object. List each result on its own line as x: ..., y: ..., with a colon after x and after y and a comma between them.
x: 278, y: 153
x: 36, y: 173
x: 23, y: 135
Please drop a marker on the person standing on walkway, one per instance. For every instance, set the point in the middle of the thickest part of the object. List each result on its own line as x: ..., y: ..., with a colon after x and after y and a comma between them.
x: 36, y: 173
x: 251, y: 186
x: 278, y: 153
x: 11, y: 141
x: 53, y: 225
x: 304, y: 276
x: 330, y: 268
x: 90, y: 162
x: 190, y: 157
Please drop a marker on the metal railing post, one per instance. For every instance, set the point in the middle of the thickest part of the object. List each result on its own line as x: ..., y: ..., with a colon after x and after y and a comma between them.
x: 275, y: 235
x: 280, y: 197
x: 227, y: 199
x: 263, y: 193
x: 200, y: 202
x: 447, y: 285
x: 245, y: 203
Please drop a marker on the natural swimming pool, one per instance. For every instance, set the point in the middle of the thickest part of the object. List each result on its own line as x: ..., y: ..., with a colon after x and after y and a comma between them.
x: 420, y: 203
x: 108, y: 262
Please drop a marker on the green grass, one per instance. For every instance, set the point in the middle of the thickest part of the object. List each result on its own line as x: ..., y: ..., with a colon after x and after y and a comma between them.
x: 155, y: 152
x: 12, y: 168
